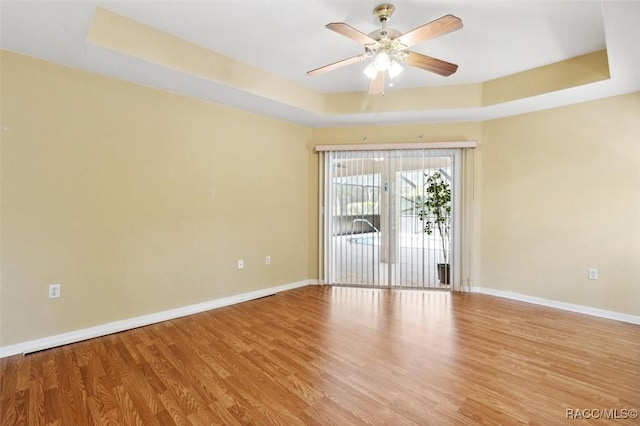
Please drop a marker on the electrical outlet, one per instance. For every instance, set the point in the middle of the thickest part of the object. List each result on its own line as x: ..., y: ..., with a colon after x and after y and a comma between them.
x: 54, y: 291
x: 240, y: 264
x: 267, y: 260
x: 593, y: 273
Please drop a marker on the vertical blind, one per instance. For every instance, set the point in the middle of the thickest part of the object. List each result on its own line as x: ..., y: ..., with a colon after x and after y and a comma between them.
x: 377, y: 229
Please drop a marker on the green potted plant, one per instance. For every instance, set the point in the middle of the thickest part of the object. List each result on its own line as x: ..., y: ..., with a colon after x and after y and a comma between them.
x: 435, y: 213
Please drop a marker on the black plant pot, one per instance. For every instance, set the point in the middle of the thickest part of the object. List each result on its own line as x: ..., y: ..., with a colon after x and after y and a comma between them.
x: 444, y: 273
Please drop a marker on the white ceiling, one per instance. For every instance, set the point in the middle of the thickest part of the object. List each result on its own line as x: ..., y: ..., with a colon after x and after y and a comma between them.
x: 288, y: 38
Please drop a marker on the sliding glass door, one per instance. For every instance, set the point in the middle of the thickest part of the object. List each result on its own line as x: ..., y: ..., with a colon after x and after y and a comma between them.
x: 389, y: 218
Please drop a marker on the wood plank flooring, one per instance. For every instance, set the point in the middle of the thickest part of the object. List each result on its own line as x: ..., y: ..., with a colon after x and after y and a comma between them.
x: 338, y: 356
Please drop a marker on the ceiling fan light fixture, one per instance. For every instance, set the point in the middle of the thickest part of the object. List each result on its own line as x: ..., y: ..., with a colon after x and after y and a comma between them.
x: 371, y: 71
x: 382, y: 61
x: 394, y: 69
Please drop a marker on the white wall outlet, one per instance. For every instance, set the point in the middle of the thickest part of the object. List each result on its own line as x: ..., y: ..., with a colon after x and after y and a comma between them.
x: 240, y: 264
x: 593, y: 273
x: 54, y: 291
x: 267, y: 260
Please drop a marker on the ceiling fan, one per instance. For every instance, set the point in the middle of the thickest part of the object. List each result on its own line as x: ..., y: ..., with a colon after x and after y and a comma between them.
x: 388, y: 48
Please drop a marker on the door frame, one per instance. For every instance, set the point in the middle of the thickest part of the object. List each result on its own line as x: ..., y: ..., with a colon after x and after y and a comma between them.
x: 457, y: 199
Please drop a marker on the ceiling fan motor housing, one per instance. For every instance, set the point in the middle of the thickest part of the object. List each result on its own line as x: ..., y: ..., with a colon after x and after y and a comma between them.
x: 386, y: 42
x: 385, y: 37
x: 384, y: 33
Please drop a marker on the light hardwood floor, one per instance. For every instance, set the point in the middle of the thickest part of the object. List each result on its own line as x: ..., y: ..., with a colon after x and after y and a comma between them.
x: 323, y: 355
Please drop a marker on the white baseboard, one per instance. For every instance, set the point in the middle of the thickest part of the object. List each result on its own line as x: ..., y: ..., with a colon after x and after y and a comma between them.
x: 634, y: 319
x: 128, y: 324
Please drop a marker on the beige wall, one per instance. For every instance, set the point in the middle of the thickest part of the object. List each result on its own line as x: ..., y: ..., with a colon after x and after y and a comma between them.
x: 138, y: 201
x: 560, y: 194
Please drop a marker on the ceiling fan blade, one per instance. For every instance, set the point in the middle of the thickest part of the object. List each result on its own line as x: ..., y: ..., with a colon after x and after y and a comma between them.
x: 377, y: 86
x: 348, y: 31
x: 433, y: 29
x: 428, y: 63
x: 337, y: 65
